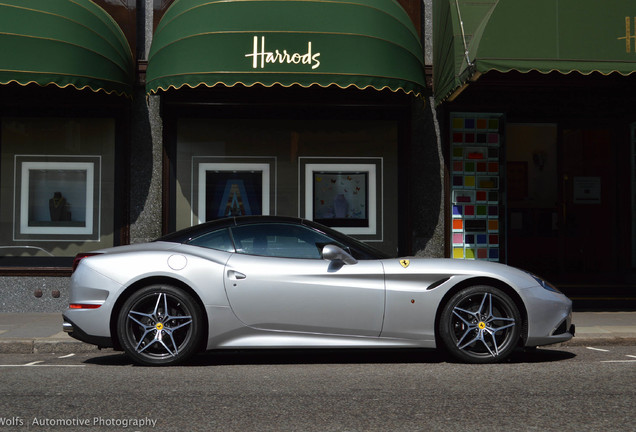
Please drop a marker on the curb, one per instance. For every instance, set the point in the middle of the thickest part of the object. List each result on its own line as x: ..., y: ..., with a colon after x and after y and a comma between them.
x: 44, y: 346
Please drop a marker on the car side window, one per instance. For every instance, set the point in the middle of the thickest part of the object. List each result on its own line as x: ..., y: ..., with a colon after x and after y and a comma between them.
x: 219, y: 240
x: 279, y: 240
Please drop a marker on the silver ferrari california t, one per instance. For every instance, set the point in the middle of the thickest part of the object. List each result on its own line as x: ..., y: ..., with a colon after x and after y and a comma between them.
x: 278, y: 282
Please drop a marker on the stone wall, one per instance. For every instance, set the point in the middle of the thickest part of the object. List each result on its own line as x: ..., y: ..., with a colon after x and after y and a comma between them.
x: 33, y: 294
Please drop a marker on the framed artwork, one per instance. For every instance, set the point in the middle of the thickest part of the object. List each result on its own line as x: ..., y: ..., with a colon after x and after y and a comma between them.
x: 57, y: 198
x: 344, y: 196
x: 225, y: 189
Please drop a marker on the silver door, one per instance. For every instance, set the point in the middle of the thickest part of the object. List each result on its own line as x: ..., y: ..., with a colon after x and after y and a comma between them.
x: 306, y: 295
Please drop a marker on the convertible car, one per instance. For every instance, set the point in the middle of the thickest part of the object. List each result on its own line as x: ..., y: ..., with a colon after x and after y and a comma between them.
x: 279, y: 282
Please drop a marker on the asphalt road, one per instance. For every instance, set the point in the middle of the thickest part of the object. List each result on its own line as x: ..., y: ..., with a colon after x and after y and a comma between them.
x: 556, y: 389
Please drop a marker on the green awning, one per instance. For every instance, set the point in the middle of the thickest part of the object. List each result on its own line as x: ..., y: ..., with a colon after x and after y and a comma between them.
x: 471, y: 38
x: 63, y: 43
x: 361, y: 43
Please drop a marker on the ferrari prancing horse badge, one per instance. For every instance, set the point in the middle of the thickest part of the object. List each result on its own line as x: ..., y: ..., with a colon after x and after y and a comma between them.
x: 405, y: 263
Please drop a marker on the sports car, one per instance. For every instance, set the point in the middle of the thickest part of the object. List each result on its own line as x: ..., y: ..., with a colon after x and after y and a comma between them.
x: 282, y: 282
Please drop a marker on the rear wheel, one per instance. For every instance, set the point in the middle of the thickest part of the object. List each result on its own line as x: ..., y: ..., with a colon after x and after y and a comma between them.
x: 480, y: 324
x: 159, y: 325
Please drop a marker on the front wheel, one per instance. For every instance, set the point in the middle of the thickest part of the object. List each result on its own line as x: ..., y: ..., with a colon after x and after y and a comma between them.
x: 480, y: 324
x: 159, y: 325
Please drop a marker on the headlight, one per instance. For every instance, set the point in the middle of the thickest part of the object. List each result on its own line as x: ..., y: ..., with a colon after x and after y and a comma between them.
x: 545, y: 284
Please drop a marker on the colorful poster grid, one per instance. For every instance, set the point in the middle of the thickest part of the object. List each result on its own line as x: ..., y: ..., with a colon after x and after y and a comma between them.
x: 475, y: 186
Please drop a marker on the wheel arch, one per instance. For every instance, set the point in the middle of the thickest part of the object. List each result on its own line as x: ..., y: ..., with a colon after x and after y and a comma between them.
x: 488, y: 281
x: 156, y: 280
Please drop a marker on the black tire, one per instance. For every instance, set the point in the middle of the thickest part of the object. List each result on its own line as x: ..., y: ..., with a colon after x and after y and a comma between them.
x: 159, y: 325
x: 480, y: 324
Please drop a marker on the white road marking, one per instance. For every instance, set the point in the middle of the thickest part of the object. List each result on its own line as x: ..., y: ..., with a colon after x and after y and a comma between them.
x: 37, y: 364
x: 621, y: 361
x: 597, y: 349
x: 67, y: 356
x: 42, y: 365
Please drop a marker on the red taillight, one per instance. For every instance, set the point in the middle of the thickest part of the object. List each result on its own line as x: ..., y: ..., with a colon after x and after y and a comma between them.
x: 81, y: 256
x: 83, y: 306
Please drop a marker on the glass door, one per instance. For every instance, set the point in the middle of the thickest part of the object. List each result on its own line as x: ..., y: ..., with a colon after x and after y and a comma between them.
x: 589, y: 234
x: 562, y: 213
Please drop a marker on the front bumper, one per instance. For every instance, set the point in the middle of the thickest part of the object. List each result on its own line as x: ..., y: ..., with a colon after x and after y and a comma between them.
x: 549, y: 318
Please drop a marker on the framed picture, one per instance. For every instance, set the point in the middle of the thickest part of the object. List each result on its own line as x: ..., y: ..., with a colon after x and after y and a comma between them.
x: 344, y: 195
x: 57, y: 198
x: 225, y: 189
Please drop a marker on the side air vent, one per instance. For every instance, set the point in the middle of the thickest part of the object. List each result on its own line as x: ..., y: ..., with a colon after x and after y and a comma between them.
x: 436, y: 284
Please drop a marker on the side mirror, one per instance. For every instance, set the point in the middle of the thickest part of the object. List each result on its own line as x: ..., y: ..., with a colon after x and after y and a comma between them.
x: 334, y: 253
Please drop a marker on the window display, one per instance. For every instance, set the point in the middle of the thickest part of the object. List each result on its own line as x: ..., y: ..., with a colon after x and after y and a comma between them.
x: 343, y: 195
x: 57, y: 186
x: 232, y: 189
x: 341, y: 198
x: 56, y: 198
x: 342, y: 173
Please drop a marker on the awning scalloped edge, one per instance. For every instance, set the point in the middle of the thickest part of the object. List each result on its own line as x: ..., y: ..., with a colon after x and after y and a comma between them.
x: 76, y: 87
x: 545, y: 72
x: 456, y: 90
x: 417, y: 94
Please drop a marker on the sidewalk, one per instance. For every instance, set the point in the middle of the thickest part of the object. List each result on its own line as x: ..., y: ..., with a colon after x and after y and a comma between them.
x: 27, y: 333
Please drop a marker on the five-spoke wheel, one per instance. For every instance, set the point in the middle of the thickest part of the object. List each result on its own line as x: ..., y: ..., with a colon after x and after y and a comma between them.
x: 159, y: 325
x: 480, y: 324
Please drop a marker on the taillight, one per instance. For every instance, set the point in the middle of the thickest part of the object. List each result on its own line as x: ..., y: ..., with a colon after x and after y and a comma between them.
x: 81, y: 256
x: 83, y: 306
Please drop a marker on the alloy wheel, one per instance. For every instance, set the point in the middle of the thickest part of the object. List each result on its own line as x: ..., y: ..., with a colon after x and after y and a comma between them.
x: 481, y: 325
x: 159, y: 326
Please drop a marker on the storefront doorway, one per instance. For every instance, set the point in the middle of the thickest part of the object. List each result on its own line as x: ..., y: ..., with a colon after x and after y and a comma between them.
x: 562, y: 202
x: 589, y: 220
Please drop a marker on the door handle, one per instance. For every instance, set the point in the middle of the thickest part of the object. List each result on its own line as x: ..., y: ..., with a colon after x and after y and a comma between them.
x: 232, y: 274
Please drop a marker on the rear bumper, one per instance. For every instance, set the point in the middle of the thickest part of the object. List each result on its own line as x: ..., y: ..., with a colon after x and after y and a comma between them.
x: 77, y: 333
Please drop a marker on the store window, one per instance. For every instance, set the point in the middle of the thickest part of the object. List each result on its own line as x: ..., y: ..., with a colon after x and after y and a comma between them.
x: 57, y: 189
x: 339, y: 173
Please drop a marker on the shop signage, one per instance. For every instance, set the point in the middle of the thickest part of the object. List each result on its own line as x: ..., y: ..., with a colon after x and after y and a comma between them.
x: 261, y: 57
x: 587, y: 190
